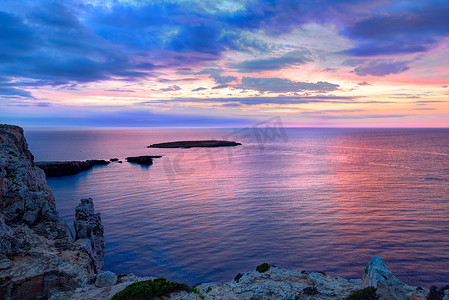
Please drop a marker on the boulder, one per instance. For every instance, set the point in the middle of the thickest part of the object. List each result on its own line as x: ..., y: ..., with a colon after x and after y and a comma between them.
x: 379, y: 276
x: 106, y: 279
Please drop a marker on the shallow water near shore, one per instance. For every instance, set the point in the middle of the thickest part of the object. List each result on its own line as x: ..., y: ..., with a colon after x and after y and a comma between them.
x: 315, y: 199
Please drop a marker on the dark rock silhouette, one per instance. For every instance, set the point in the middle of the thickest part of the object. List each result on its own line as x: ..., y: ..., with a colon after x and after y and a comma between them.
x: 142, y: 160
x: 62, y: 168
x: 195, y: 144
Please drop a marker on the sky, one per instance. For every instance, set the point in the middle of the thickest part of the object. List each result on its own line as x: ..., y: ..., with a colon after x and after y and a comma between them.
x: 224, y: 63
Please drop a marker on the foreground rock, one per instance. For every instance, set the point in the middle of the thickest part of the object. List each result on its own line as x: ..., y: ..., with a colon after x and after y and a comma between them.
x: 142, y: 160
x: 193, y: 144
x: 37, y: 254
x: 379, y: 276
x: 267, y: 283
x: 62, y: 168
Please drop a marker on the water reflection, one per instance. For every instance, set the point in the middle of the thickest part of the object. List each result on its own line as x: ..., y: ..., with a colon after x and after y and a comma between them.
x: 325, y: 200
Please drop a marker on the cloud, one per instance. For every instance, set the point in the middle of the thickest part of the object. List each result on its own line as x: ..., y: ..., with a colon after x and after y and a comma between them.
x: 171, y: 88
x: 282, y: 85
x: 410, y: 28
x: 221, y: 86
x: 364, y: 83
x: 14, y: 92
x: 382, y: 68
x: 215, y: 74
x: 121, y: 91
x: 261, y: 100
x: 47, y: 43
x: 199, y: 89
x: 275, y: 63
x: 364, y: 116
x: 222, y: 79
x: 74, y: 116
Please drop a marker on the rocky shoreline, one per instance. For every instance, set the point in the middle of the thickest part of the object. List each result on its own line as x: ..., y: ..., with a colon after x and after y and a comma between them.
x: 40, y: 259
x: 62, y: 168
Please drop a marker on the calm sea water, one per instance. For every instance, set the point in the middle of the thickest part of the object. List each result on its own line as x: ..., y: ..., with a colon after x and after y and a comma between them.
x: 322, y: 200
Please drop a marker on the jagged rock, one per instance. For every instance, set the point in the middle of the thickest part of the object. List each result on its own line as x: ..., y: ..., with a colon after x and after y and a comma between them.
x: 113, y: 159
x: 106, y: 279
x: 379, y: 276
x: 62, y: 168
x: 89, y: 231
x: 8, y: 243
x: 25, y: 195
x: 37, y: 255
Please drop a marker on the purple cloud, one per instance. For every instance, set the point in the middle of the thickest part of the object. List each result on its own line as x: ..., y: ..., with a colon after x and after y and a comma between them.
x: 171, y: 88
x: 275, y: 63
x: 282, y: 85
x: 381, y: 68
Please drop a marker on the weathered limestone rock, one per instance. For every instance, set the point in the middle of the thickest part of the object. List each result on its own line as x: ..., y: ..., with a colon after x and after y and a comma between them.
x: 379, y: 276
x: 8, y: 243
x: 106, y: 279
x: 25, y: 195
x: 37, y: 254
x: 89, y: 231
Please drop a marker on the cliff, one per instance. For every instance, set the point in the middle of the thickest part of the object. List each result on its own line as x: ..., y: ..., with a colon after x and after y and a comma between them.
x: 38, y: 256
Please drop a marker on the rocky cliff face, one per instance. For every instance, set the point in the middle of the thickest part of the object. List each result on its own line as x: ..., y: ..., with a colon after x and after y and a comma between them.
x: 37, y: 254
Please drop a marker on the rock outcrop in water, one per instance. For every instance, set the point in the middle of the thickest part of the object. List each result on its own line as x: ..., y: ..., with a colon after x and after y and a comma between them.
x: 195, y: 144
x: 142, y: 160
x: 89, y: 232
x: 37, y: 254
x: 62, y: 168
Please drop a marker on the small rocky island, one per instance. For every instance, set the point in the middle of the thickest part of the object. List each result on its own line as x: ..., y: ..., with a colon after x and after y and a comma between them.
x: 62, y: 168
x: 195, y: 144
x: 145, y: 160
x: 41, y: 259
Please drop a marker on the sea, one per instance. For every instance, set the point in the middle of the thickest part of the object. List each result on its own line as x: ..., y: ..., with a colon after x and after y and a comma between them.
x: 300, y: 198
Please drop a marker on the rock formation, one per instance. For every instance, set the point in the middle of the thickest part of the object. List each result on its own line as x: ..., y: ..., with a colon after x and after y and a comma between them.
x: 89, y: 231
x: 62, y: 168
x: 195, y: 144
x: 379, y: 276
x: 142, y: 160
x: 273, y: 284
x: 37, y: 253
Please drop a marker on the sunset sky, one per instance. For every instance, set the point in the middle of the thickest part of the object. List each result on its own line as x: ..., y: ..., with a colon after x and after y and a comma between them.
x: 224, y: 63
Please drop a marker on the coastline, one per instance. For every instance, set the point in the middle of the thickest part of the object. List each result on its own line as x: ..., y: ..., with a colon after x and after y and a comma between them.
x: 40, y: 258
